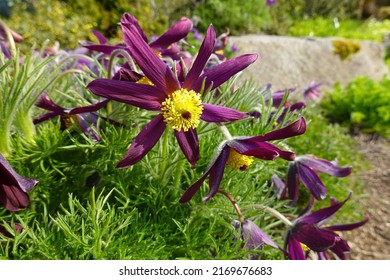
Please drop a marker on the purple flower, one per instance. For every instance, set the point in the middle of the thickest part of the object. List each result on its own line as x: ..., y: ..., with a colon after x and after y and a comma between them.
x: 253, y: 236
x: 304, y: 169
x: 309, y: 230
x: 177, y: 102
x: 165, y: 44
x: 238, y: 153
x: 14, y: 187
x: 270, y: 2
x: 312, y: 92
x: 4, y: 44
x: 83, y: 116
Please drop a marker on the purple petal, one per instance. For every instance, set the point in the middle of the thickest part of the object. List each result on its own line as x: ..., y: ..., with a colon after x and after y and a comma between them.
x: 292, y: 182
x: 224, y: 71
x: 295, y: 250
x: 100, y: 37
x: 261, y: 150
x: 177, y: 32
x: 216, y: 113
x: 314, y: 237
x: 296, y: 128
x: 152, y: 66
x: 311, y: 181
x: 13, y: 198
x: 345, y: 227
x: 128, y: 19
x: 102, y: 48
x: 201, y: 59
x: 323, y: 213
x: 88, y: 108
x: 216, y: 174
x: 88, y: 123
x: 143, y: 142
x: 322, y: 165
x: 9, y: 176
x: 46, y: 117
x: 46, y: 103
x: 190, y: 192
x: 255, y: 237
x: 340, y: 248
x: 188, y: 142
x: 279, y: 186
x: 139, y: 95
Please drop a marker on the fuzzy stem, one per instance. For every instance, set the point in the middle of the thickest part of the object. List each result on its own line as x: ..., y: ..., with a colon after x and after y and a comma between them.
x: 5, y: 139
x: 224, y: 131
x: 235, y: 205
x: 274, y: 213
x: 25, y: 124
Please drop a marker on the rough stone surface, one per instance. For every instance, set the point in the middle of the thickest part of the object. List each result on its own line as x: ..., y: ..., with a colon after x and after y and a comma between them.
x: 294, y: 62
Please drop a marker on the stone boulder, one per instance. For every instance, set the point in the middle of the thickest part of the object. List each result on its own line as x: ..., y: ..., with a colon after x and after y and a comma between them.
x: 294, y: 62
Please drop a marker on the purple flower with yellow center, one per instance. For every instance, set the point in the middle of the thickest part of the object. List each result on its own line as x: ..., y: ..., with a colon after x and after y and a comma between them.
x: 177, y: 102
x: 304, y: 169
x: 82, y: 116
x: 310, y: 233
x: 14, y: 187
x: 238, y: 153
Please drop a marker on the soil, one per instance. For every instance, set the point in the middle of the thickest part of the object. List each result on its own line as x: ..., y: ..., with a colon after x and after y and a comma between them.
x: 372, y: 241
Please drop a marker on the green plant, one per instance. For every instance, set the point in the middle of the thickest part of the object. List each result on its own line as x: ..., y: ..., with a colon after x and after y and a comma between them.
x: 362, y: 104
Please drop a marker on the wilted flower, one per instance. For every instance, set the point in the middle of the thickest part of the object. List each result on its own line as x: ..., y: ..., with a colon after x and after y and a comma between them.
x: 304, y: 169
x: 14, y: 187
x: 239, y: 152
x: 83, y: 116
x: 309, y: 232
x: 179, y: 103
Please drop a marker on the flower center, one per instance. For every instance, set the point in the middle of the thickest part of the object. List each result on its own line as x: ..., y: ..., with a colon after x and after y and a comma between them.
x: 182, y: 109
x: 145, y: 81
x: 238, y: 161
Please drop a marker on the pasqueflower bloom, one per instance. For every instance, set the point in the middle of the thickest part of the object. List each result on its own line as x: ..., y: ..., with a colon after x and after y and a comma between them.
x: 179, y: 103
x: 14, y: 187
x: 304, y: 169
x: 308, y: 231
x: 239, y: 152
x: 83, y: 116
x: 312, y: 92
x: 165, y: 44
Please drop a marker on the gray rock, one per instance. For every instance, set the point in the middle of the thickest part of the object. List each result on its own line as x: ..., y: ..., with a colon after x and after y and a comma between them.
x: 294, y: 62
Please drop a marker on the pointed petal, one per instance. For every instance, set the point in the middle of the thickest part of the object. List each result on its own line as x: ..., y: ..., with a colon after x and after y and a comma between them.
x: 323, y: 213
x: 46, y: 103
x: 296, y: 128
x: 88, y: 123
x: 201, y: 59
x: 9, y: 176
x: 322, y: 165
x: 345, y: 227
x: 13, y: 198
x: 216, y: 174
x: 46, y: 117
x: 143, y: 142
x: 100, y: 37
x: 101, y: 48
x: 130, y: 19
x: 311, y: 181
x: 89, y: 108
x: 188, y: 142
x: 279, y: 186
x: 292, y: 182
x: 313, y: 237
x: 139, y: 95
x: 152, y: 66
x: 224, y: 71
x: 255, y: 237
x: 295, y: 250
x: 341, y: 248
x: 177, y: 32
x: 216, y: 113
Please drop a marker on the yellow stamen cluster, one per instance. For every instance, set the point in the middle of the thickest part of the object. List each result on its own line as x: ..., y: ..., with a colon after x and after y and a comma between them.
x: 68, y: 120
x: 182, y: 109
x: 145, y: 81
x: 305, y: 248
x: 238, y: 161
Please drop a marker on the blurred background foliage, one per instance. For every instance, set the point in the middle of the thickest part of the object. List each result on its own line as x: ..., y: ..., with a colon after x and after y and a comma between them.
x: 69, y: 21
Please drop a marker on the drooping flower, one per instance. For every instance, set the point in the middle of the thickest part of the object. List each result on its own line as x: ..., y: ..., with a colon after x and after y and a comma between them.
x: 14, y: 188
x: 310, y: 233
x: 84, y: 116
x: 178, y: 104
x: 312, y: 92
x: 238, y: 153
x: 304, y: 169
